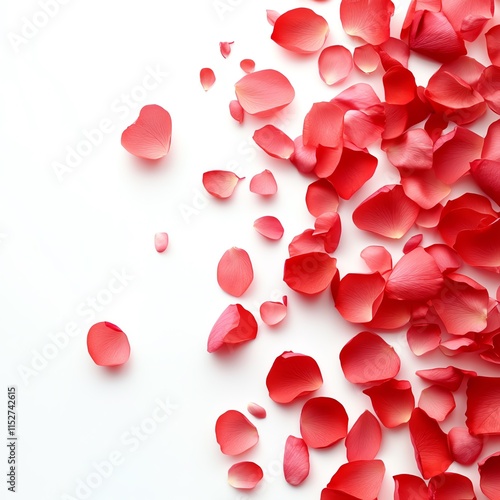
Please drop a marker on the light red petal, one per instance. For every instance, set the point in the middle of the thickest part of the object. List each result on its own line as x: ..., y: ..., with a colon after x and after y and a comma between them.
x: 264, y: 184
x: 107, y: 344
x: 207, y: 78
x: 323, y: 125
x: 306, y: 242
x: 468, y: 18
x: 364, y: 439
x: 256, y: 410
x: 361, y: 479
x: 489, y: 472
x: 310, y: 273
x: 329, y: 226
x: 247, y: 65
x: 327, y: 160
x: 437, y: 402
x: 464, y: 447
x: 220, y: 183
x: 274, y: 142
x: 225, y: 48
x: 424, y: 188
x: 270, y: 227
x: 235, y: 433
x: 493, y: 44
x: 303, y: 157
x: 235, y: 272
x: 300, y: 30
x: 486, y: 173
x: 388, y: 212
x: 150, y: 135
x: 451, y: 486
x: 161, y: 242
x: 321, y: 197
x: 293, y: 375
x: 273, y: 313
x: 359, y: 97
x: 264, y: 92
x: 377, y: 258
x: 429, y: 219
x: 450, y: 377
x: 411, y: 150
x: 367, y: 19
x: 394, y: 52
x: 366, y: 58
x: 407, y: 486
x: 323, y: 422
x: 483, y: 406
x: 236, y: 111
x: 335, y: 64
x: 272, y: 15
x: 244, y: 475
x: 413, y: 243
x: 491, y: 147
x: 295, y: 461
x: 423, y: 338
x: 399, y: 85
x: 430, y: 444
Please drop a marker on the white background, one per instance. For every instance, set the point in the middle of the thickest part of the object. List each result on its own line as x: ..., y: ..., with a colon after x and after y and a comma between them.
x: 62, y: 240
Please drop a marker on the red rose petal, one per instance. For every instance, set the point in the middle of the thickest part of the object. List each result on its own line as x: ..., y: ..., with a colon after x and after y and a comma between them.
x: 388, y: 212
x: 408, y: 486
x: 274, y: 142
x: 323, y: 125
x: 392, y: 401
x: 270, y: 227
x: 489, y: 471
x: 437, y: 402
x: 450, y: 486
x: 468, y: 18
x: 247, y: 65
x: 424, y: 188
x: 107, y: 344
x: 300, y: 30
x: 235, y: 272
x: 273, y: 313
x: 296, y: 461
x: 486, y: 173
x: 150, y: 135
x: 364, y: 438
x: 272, y: 15
x: 483, y: 406
x: 327, y: 160
x: 359, y: 296
x: 235, y: 433
x: 413, y: 243
x: 377, y: 258
x: 430, y: 444
x: 323, y: 422
x: 399, y: 85
x: 366, y: 58
x: 207, y: 78
x: 256, y: 410
x: 361, y: 479
x: 367, y: 19
x: 236, y: 111
x: 244, y: 475
x: 234, y: 326
x: 293, y: 375
x: 310, y: 273
x: 161, y: 242
x: 394, y: 52
x: 306, y: 242
x: 264, y: 184
x: 321, y: 197
x: 493, y: 44
x: 450, y: 377
x: 264, y: 92
x: 303, y: 157
x: 391, y: 315
x: 464, y: 447
x: 329, y: 226
x: 413, y: 150
x: 429, y: 219
x: 335, y: 64
x: 225, y: 48
x: 423, y: 338
x: 220, y: 183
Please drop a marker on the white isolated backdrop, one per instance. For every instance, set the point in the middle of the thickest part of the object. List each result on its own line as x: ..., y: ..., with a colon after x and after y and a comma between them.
x: 65, y: 238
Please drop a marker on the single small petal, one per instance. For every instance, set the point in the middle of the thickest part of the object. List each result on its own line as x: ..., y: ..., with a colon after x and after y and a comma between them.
x: 236, y: 111
x: 150, y: 135
x: 295, y: 461
x: 366, y: 58
x: 364, y: 439
x: 207, y: 78
x: 300, y: 30
x: 323, y: 125
x: 161, y: 242
x: 247, y: 65
x: 483, y: 406
x: 493, y: 44
x: 225, y: 48
x: 465, y: 448
x: 437, y: 402
x: 335, y: 64
x: 270, y: 227
x: 413, y: 243
x: 273, y: 313
x: 399, y: 85
x: 108, y: 345
x: 264, y: 184
x: 244, y: 475
x: 256, y: 410
x: 306, y: 242
x: 235, y: 272
x: 377, y: 258
x: 323, y: 422
x: 362, y: 479
x: 321, y: 197
x: 408, y: 486
x: 235, y: 433
x: 450, y: 377
x: 449, y: 485
x: 310, y: 273
x: 274, y: 142
x: 423, y: 338
x: 264, y: 92
x: 293, y: 375
x: 392, y: 401
x: 489, y: 472
x: 430, y: 444
x: 220, y: 183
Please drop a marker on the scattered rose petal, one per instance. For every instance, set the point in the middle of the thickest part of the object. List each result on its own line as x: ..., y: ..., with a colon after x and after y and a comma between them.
x: 329, y: 226
x: 464, y: 447
x: 207, y: 78
x: 235, y: 272
x: 235, y: 434
x: 323, y: 125
x: 272, y: 15
x: 247, y: 65
x: 423, y: 338
x: 450, y: 377
x: 394, y: 52
x: 483, y: 406
x: 274, y: 142
x: 310, y: 273
x: 220, y: 183
x: 335, y: 64
x: 493, y: 44
x: 450, y: 485
x: 413, y: 150
x: 306, y: 242
x: 413, y: 243
x: 150, y: 135
x: 244, y: 475
x: 161, y: 242
x: 273, y: 313
x: 321, y: 197
x: 225, y: 48
x: 270, y: 227
x: 107, y: 344
x: 489, y: 472
x: 437, y: 402
x: 236, y: 111
x: 391, y: 315
x: 296, y: 461
x: 399, y: 85
x: 264, y: 184
x: 366, y: 58
x: 303, y: 157
x: 364, y: 438
x: 408, y: 486
x: 293, y: 375
x: 486, y: 173
x: 468, y: 18
x: 377, y: 258
x: 256, y: 410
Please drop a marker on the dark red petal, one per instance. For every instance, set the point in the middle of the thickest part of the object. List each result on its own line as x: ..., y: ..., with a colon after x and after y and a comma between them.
x: 359, y: 296
x: 234, y: 325
x: 247, y: 65
x: 335, y: 64
x: 207, y: 78
x: 399, y: 85
x: 493, y: 44
x: 323, y: 125
x: 295, y: 461
x: 306, y: 242
x: 270, y: 227
x: 450, y: 377
x: 291, y: 376
x: 437, y: 402
x: 392, y: 401
x: 264, y: 184
x: 489, y: 471
x: 451, y: 486
x: 300, y: 30
x: 410, y: 487
x: 303, y: 157
x: 220, y: 183
x: 244, y: 475
x: 235, y: 272
x: 366, y: 58
x: 367, y: 19
x: 235, y: 433
x: 150, y: 135
x: 264, y: 92
x: 274, y: 142
x: 364, y: 438
x: 388, y: 212
x: 411, y: 150
x: 464, y: 447
x: 236, y: 111
x: 321, y: 197
x: 377, y: 258
x: 361, y: 479
x: 107, y: 344
x: 435, y: 125
x: 273, y: 313
x: 486, y: 173
x: 483, y: 406
x: 430, y: 444
x: 415, y: 277
x: 323, y: 422
x: 310, y: 273
x: 423, y: 338
x: 468, y: 18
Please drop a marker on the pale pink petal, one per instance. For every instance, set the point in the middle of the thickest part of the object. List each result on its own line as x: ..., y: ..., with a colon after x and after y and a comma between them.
x: 270, y: 227
x: 235, y: 272
x: 464, y: 447
x: 272, y: 312
x: 423, y: 338
x: 295, y: 461
x: 244, y: 475
x: 321, y: 197
x: 264, y: 184
x: 366, y: 58
x: 272, y: 15
x: 107, y: 344
x: 489, y: 471
x: 225, y: 48
x: 323, y: 125
x: 247, y: 65
x: 161, y: 242
x: 335, y: 64
x: 377, y: 258
x: 256, y: 410
x: 310, y: 273
x: 207, y: 78
x: 437, y: 402
x: 235, y: 433
x: 362, y: 479
x: 236, y: 111
x: 274, y: 142
x: 364, y: 439
x: 220, y: 183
